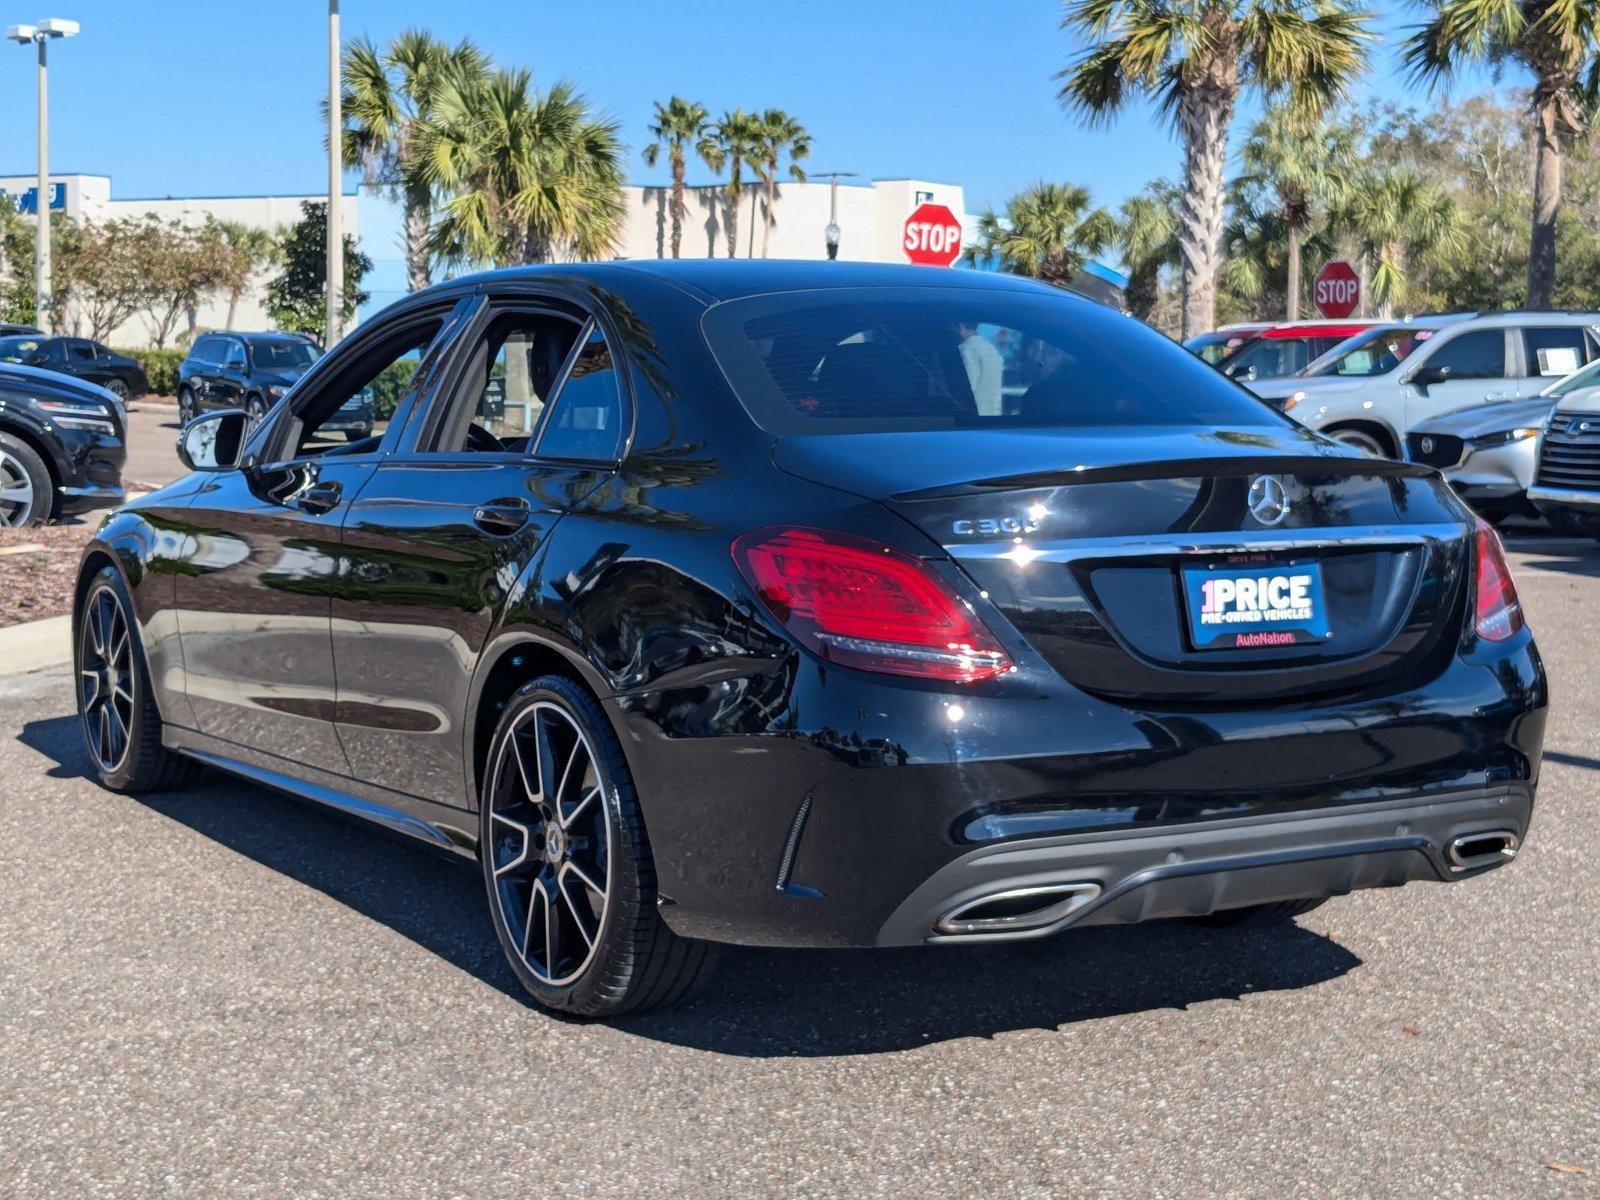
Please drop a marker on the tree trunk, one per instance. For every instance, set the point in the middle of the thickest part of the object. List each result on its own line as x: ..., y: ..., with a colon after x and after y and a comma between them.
x: 233, y: 309
x: 733, y: 209
x: 1548, y: 154
x: 1143, y: 290
x: 677, y: 201
x: 1203, y: 118
x: 755, y: 199
x: 1292, y: 287
x: 419, y: 272
x: 772, y: 192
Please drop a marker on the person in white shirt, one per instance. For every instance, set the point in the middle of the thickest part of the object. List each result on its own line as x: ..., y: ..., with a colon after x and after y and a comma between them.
x: 984, y: 369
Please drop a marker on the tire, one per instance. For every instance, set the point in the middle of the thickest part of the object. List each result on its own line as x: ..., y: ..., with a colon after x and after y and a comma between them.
x: 116, y: 706
x: 1361, y: 440
x: 1260, y: 914
x: 186, y: 406
x: 27, y: 495
x: 118, y: 388
x: 621, y: 958
x: 254, y: 409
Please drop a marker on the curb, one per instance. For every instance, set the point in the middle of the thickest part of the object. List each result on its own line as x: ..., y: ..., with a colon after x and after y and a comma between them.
x: 35, y: 645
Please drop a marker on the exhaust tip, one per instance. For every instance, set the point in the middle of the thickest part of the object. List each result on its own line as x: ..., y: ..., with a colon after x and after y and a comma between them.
x: 1473, y: 851
x: 1017, y: 910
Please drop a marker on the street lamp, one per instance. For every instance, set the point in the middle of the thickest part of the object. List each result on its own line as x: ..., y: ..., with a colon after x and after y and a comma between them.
x: 335, y: 183
x: 830, y: 231
x: 40, y: 35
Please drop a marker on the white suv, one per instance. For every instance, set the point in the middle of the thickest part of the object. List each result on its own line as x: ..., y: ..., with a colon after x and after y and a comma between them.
x: 1372, y: 388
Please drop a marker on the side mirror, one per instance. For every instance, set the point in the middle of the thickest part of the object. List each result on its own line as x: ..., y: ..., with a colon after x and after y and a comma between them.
x: 1425, y: 377
x: 213, y: 441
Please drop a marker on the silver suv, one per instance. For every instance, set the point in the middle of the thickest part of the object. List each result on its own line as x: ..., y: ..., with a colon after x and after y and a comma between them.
x: 1372, y: 389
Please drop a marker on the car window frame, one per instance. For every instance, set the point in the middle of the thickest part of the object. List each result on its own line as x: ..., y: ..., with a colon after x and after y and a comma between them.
x: 430, y: 412
x: 1527, y: 364
x: 451, y: 310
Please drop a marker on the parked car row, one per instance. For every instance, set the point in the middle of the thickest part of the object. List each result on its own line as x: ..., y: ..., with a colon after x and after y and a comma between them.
x: 78, y: 357
x: 1468, y: 394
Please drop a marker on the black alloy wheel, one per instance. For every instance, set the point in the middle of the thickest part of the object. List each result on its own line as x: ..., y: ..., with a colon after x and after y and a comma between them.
x: 567, y: 864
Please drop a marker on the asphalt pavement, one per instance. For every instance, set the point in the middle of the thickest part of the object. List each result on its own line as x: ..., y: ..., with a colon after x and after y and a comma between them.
x: 152, y: 446
x: 223, y: 992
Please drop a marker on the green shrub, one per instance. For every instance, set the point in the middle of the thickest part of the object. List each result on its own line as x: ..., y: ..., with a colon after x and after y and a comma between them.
x: 390, y: 385
x: 160, y: 369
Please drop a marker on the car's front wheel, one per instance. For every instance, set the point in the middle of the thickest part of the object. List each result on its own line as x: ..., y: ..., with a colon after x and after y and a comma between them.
x: 118, y: 388
x: 567, y: 863
x: 26, y: 494
x: 186, y: 405
x: 121, y: 724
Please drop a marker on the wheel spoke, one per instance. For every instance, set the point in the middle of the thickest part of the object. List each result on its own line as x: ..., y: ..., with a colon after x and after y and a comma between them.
x: 532, y: 793
x: 545, y: 762
x: 16, y: 495
x: 91, y: 688
x: 587, y: 799
x: 572, y: 868
x: 525, y: 834
x: 566, y: 774
x: 572, y: 907
x: 552, y: 932
x: 105, y: 736
x: 536, y: 898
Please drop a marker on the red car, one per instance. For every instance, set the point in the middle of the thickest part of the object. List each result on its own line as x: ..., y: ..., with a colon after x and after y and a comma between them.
x: 1275, y: 351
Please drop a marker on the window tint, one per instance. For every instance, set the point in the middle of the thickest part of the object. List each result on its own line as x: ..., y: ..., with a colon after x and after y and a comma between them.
x: 509, y: 378
x: 21, y: 349
x: 81, y: 351
x: 203, y: 350
x: 1555, y: 351
x: 232, y: 354
x: 587, y: 419
x: 1376, y: 352
x: 870, y: 359
x: 282, y: 356
x: 1479, y: 354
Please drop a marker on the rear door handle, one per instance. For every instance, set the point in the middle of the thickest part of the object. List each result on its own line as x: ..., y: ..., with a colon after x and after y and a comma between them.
x: 501, y: 517
x: 320, y: 497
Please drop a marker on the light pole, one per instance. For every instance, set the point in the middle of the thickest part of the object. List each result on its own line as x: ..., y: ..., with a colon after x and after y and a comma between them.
x: 335, y: 183
x: 40, y: 35
x: 830, y: 231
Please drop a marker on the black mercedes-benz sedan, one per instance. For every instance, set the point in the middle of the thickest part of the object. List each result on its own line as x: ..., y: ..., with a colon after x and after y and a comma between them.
x: 795, y: 604
x: 63, y: 443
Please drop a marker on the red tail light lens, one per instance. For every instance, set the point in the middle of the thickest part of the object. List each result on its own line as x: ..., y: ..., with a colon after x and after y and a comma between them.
x: 1498, y: 613
x: 868, y: 606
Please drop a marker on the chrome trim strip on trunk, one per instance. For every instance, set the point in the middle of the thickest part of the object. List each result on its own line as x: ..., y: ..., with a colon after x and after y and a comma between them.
x: 1221, y: 541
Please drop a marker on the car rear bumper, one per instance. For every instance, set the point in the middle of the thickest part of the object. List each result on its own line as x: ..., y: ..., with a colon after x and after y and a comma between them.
x: 1200, y: 869
x: 882, y: 808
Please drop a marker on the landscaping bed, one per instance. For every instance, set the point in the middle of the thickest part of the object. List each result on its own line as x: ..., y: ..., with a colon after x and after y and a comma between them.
x: 37, y: 568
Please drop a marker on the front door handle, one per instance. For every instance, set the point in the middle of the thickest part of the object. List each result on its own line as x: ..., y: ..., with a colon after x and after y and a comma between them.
x: 320, y: 497
x: 501, y: 517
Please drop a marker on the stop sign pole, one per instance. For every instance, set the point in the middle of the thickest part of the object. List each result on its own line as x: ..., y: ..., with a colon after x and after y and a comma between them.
x: 1336, y: 291
x: 931, y: 236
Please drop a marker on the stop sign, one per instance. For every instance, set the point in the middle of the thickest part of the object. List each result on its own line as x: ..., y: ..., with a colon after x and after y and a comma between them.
x: 932, y: 236
x: 1337, y: 289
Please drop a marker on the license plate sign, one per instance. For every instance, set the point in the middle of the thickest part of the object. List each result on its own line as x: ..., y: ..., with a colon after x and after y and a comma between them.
x: 1258, y: 606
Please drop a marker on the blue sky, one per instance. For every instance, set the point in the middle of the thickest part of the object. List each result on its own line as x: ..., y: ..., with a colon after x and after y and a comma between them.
x: 184, y: 98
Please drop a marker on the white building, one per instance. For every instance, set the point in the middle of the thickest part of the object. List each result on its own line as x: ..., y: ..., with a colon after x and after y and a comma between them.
x: 88, y: 197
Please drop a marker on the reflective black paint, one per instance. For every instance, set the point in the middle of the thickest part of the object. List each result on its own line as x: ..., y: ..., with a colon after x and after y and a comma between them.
x: 364, y: 651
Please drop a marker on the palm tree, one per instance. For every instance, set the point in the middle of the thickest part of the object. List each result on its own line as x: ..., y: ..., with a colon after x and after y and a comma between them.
x: 738, y: 140
x: 530, y: 177
x: 1196, y: 57
x: 1557, y: 42
x: 245, y: 251
x: 1047, y: 231
x: 1304, y: 168
x: 388, y: 97
x: 1147, y: 236
x: 1394, y: 215
x: 680, y: 124
x: 780, y: 134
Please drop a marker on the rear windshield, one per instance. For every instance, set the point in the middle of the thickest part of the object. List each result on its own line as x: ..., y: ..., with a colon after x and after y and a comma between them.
x: 862, y: 360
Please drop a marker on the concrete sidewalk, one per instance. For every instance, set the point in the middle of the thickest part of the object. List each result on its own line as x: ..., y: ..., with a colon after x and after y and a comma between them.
x: 35, y: 645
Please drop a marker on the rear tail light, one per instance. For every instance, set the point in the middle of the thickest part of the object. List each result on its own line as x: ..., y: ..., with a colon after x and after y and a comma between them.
x: 863, y: 605
x: 1497, y: 614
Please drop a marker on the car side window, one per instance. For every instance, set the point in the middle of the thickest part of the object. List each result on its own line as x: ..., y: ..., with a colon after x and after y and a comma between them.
x: 509, y: 377
x: 585, y: 419
x: 350, y: 412
x: 233, y: 356
x: 1555, y: 350
x: 81, y: 351
x: 1477, y: 354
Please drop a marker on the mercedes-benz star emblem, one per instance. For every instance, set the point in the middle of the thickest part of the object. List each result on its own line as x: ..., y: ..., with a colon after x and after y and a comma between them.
x: 1269, y: 502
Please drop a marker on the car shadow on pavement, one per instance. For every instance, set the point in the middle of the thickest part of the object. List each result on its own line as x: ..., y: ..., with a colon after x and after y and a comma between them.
x: 760, y: 1003
x: 1566, y: 556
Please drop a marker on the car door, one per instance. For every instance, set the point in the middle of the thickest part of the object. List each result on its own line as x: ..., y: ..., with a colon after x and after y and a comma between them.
x: 1462, y: 368
x: 263, y: 555
x: 442, y: 536
x: 231, y: 375
x: 81, y: 362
